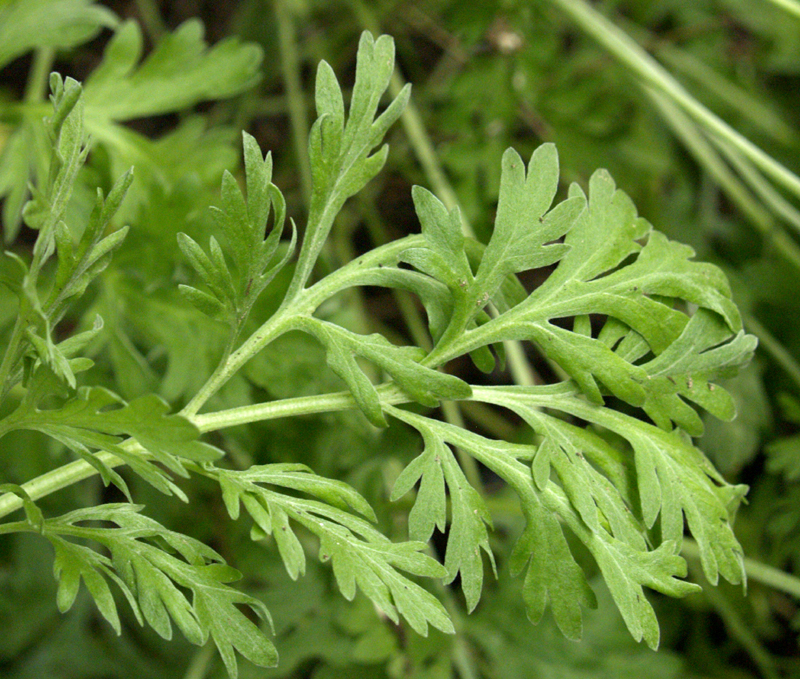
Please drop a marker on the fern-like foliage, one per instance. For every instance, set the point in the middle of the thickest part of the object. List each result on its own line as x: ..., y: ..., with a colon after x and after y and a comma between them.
x: 640, y: 332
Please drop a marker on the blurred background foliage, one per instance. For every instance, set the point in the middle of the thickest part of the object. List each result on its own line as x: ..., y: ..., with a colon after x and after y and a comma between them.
x: 486, y: 76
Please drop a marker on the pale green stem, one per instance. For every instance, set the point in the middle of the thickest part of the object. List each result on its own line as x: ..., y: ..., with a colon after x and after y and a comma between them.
x: 79, y: 470
x: 290, y: 67
x: 36, y: 87
x: 151, y: 18
x: 632, y: 55
x: 790, y: 6
x: 686, y: 130
x: 710, y: 159
x: 55, y: 480
x: 774, y: 348
x: 739, y: 629
x: 756, y: 571
x: 272, y: 329
x: 747, y: 105
x: 201, y: 662
x: 388, y: 394
x: 768, y: 194
x: 15, y: 527
x: 300, y: 306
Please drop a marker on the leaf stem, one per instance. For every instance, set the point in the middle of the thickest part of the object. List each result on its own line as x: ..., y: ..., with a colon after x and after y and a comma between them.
x: 15, y: 527
x: 76, y: 471
x: 54, y: 480
x: 271, y: 330
x: 200, y: 662
x: 290, y: 68
x: 774, y: 348
x: 640, y: 62
x: 291, y: 407
x: 760, y: 572
x: 738, y: 628
x: 36, y: 87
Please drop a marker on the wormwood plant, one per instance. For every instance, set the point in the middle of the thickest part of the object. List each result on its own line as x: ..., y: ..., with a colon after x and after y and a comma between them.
x: 638, y: 332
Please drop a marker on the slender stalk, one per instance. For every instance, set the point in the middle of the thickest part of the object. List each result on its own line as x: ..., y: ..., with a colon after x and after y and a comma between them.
x: 15, y: 527
x: 774, y: 348
x: 686, y: 130
x: 72, y: 473
x: 290, y: 68
x: 291, y: 407
x: 632, y: 55
x: 36, y: 87
x: 790, y: 6
x: 55, y: 480
x: 738, y: 628
x: 151, y: 18
x: 757, y: 571
x: 201, y: 662
x: 271, y: 330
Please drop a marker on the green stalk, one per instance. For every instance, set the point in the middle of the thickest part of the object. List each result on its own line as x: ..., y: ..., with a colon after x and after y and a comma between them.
x: 271, y: 330
x: 774, y: 348
x: 290, y: 68
x: 632, y: 55
x: 686, y: 130
x: 72, y: 473
x: 201, y: 662
x: 739, y: 629
x: 291, y: 407
x: 790, y: 6
x: 151, y: 18
x: 36, y: 87
x: 755, y: 570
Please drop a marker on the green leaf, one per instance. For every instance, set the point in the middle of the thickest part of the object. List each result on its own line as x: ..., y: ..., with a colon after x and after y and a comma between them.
x: 523, y: 226
x: 339, y: 150
x: 180, y: 72
x: 154, y: 581
x: 606, y: 270
x: 423, y: 384
x: 61, y: 24
x: 626, y: 568
x: 435, y: 468
x: 553, y: 575
x: 79, y: 263
x: 32, y: 512
x: 444, y: 258
x: 243, y: 221
x: 674, y: 479
x: 361, y: 556
x: 74, y: 563
x: 95, y: 418
x: 65, y: 127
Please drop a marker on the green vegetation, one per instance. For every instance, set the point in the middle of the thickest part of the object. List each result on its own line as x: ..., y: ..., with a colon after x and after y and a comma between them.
x: 259, y: 385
